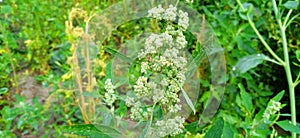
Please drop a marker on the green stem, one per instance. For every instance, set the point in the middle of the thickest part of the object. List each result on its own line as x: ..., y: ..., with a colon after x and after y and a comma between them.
x: 286, y: 62
x: 287, y: 17
x: 264, y: 42
x: 260, y: 37
x: 287, y: 66
x: 176, y: 3
x: 296, y: 82
x: 289, y: 76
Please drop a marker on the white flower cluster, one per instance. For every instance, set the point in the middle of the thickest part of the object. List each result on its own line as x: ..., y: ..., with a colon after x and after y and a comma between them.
x: 161, y: 56
x: 156, y: 12
x: 109, y: 96
x: 183, y: 19
x: 167, y: 127
x: 140, y: 113
x: 271, y: 109
x: 170, y: 14
x: 154, y: 42
x: 189, y: 1
x: 141, y: 88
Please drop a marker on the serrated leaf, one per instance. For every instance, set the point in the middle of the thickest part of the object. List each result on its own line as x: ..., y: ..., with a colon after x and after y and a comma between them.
x: 249, y: 62
x: 278, y: 97
x: 291, y: 4
x: 216, y: 130
x: 246, y: 98
x: 287, y: 126
x: 93, y: 131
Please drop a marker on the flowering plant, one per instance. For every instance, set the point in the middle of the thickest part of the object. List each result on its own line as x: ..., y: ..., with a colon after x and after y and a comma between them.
x: 163, y: 67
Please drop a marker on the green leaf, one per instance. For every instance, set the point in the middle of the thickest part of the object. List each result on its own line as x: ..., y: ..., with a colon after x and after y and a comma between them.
x: 93, y: 131
x: 158, y: 112
x: 107, y: 118
x: 287, y: 126
x: 259, y: 116
x: 228, y: 131
x: 291, y: 4
x: 246, y: 98
x: 188, y: 100
x: 249, y: 62
x: 109, y: 71
x: 5, y: 9
x: 193, y: 127
x: 3, y: 90
x: 298, y: 55
x: 245, y: 45
x: 145, y: 130
x: 118, y: 54
x: 216, y: 130
x: 278, y: 97
x: 194, y: 63
x: 122, y: 110
x: 248, y: 11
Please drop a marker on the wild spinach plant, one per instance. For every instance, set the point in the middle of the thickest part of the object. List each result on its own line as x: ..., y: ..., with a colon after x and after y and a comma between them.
x: 162, y: 69
x: 283, y: 24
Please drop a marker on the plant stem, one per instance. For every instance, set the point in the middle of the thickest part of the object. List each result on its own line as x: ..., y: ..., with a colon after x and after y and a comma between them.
x: 287, y: 17
x: 287, y: 65
x: 289, y: 78
x: 77, y: 76
x: 260, y: 36
x: 286, y: 62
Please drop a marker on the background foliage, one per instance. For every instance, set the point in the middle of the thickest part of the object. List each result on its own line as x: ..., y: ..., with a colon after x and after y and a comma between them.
x: 34, y: 44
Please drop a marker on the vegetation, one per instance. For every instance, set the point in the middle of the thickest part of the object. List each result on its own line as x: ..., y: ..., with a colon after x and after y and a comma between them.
x: 126, y: 68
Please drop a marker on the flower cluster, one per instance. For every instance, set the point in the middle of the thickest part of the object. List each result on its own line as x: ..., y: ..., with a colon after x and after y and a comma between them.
x: 138, y: 112
x: 170, y: 14
x: 167, y: 127
x: 271, y: 109
x: 163, y: 66
x: 109, y: 96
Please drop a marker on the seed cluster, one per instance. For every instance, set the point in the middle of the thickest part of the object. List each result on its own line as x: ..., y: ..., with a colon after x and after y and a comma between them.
x: 273, y: 108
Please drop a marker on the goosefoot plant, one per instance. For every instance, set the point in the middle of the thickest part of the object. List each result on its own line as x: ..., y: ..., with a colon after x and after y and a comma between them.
x: 286, y: 61
x: 162, y: 68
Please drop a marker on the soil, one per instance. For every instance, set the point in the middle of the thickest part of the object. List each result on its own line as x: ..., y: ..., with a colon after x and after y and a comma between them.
x: 31, y: 89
